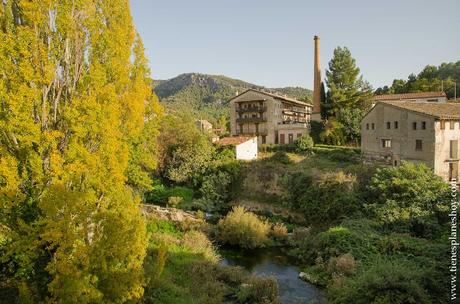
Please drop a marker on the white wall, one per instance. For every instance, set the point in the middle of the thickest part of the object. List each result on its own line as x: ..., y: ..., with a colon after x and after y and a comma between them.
x: 247, y: 150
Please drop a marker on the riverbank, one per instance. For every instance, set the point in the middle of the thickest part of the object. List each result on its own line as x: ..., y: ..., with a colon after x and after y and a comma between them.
x: 275, y: 262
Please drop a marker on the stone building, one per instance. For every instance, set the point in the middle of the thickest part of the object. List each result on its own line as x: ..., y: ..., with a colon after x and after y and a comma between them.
x: 203, y: 125
x: 395, y: 131
x: 273, y: 118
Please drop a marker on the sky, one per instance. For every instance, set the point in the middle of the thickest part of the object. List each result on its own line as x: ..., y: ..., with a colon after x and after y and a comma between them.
x: 270, y: 42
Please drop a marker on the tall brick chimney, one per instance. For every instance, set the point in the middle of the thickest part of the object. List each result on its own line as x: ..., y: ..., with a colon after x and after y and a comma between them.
x: 316, y: 115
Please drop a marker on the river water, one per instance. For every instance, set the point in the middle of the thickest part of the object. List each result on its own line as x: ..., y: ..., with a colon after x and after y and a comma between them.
x: 274, y: 262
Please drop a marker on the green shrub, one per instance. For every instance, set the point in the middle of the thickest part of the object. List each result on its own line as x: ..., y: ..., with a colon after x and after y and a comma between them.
x: 281, y: 157
x: 161, y: 193
x: 386, y: 281
x: 322, y: 199
x: 217, y: 184
x: 356, y: 237
x: 243, y: 228
x: 344, y: 264
x: 173, y: 201
x: 409, y: 198
x: 304, y: 144
x: 259, y: 290
x: 332, y: 133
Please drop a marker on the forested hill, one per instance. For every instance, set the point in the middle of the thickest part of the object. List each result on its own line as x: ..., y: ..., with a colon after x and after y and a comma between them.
x: 208, y: 95
x: 431, y: 78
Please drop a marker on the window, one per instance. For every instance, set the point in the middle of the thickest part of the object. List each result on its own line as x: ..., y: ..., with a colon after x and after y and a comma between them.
x: 452, y: 125
x: 264, y: 139
x: 386, y: 143
x: 423, y: 125
x: 373, y: 126
x: 282, y: 139
x: 418, y: 145
x: 291, y: 138
x: 454, y: 151
x: 396, y: 162
x: 396, y: 125
x: 443, y: 124
x: 414, y: 126
x: 388, y: 125
x: 367, y: 126
x: 432, y: 100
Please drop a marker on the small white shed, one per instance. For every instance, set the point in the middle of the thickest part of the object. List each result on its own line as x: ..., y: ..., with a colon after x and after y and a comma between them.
x: 245, y: 146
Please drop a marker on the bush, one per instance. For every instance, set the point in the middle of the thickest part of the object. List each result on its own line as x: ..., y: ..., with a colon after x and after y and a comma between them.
x: 409, y: 198
x: 384, y: 282
x: 259, y: 290
x: 279, y: 232
x: 242, y: 228
x: 332, y: 133
x: 344, y: 264
x: 198, y: 242
x: 304, y: 144
x: 322, y: 199
x: 161, y: 193
x: 357, y: 238
x: 281, y: 157
x: 173, y: 201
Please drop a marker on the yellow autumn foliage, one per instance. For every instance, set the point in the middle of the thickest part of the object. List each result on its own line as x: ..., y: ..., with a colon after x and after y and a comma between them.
x: 77, y: 145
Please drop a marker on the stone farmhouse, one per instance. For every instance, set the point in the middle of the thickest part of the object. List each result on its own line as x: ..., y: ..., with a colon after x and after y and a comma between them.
x: 427, y: 132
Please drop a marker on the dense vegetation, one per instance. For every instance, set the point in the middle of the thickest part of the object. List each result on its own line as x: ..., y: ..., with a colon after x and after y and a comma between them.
x: 431, y: 78
x: 346, y: 101
x: 83, y: 141
x: 207, y: 96
x: 182, y: 266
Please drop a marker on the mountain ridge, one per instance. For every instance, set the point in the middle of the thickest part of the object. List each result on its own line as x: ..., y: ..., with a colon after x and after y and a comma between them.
x: 208, y: 95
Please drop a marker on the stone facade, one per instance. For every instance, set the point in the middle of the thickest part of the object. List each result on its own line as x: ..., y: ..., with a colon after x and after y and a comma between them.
x: 392, y: 132
x: 274, y: 119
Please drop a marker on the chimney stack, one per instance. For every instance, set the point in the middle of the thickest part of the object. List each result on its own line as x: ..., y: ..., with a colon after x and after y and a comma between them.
x: 316, y: 115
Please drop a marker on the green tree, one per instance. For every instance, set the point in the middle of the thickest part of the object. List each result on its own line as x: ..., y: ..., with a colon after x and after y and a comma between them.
x: 410, y: 197
x: 348, y: 95
x: 304, y: 144
x: 74, y: 96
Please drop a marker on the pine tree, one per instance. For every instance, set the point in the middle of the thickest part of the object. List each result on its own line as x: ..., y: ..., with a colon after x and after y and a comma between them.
x: 74, y: 101
x: 348, y: 95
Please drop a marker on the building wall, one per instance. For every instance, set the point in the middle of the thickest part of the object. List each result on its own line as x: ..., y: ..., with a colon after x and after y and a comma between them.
x: 403, y: 139
x: 442, y: 144
x: 435, y: 151
x: 247, y: 150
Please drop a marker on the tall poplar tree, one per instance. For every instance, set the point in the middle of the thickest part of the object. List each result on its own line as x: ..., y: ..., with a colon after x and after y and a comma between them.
x: 75, y: 104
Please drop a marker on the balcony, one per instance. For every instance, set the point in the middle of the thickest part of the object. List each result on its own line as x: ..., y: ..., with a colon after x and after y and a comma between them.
x: 251, y: 120
x: 259, y: 133
x: 292, y: 111
x: 252, y: 109
x: 287, y: 125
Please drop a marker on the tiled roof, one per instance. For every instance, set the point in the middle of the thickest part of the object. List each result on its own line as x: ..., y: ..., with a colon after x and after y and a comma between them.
x: 409, y: 96
x: 277, y: 97
x: 234, y: 140
x: 447, y: 110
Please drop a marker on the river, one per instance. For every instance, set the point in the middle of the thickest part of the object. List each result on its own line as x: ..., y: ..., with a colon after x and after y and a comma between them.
x: 274, y: 262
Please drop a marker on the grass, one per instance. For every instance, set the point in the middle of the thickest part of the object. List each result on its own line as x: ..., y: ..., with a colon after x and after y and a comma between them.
x: 182, y: 268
